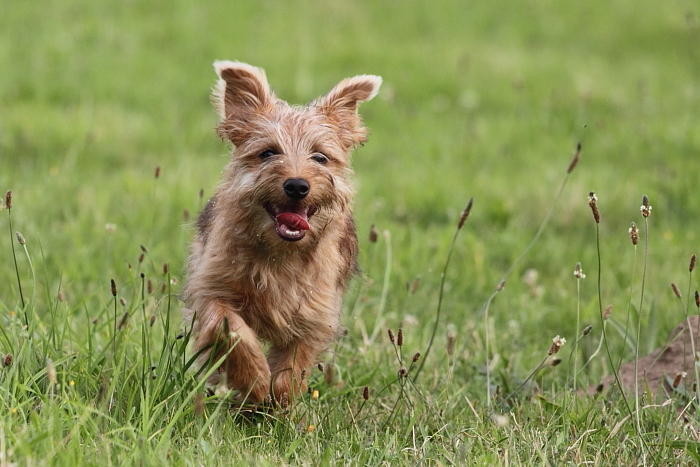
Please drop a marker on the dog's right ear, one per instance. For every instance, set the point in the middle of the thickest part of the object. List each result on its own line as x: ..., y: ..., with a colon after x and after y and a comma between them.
x: 241, y: 89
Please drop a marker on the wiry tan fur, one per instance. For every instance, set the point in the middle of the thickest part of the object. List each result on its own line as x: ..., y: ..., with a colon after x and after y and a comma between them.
x: 245, y: 284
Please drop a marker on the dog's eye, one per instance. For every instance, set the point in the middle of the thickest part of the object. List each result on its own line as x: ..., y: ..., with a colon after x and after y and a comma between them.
x: 267, y: 153
x: 320, y: 158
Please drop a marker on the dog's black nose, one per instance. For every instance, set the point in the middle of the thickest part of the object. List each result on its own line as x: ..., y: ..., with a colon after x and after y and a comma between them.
x: 296, y: 188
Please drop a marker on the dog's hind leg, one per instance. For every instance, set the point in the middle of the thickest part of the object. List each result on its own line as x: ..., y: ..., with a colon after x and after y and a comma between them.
x: 245, y: 366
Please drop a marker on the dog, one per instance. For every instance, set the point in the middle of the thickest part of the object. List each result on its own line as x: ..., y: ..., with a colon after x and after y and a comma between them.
x: 275, y: 245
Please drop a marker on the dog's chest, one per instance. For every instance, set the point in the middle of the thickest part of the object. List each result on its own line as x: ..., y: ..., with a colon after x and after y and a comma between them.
x: 285, y: 307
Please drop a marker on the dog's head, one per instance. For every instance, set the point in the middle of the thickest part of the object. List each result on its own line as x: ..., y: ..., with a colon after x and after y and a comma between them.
x: 290, y: 172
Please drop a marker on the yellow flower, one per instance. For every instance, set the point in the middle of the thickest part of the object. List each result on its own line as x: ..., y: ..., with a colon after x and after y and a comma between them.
x: 314, y: 395
x: 311, y: 428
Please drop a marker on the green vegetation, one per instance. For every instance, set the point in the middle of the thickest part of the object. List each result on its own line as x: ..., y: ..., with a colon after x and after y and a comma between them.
x: 481, y: 99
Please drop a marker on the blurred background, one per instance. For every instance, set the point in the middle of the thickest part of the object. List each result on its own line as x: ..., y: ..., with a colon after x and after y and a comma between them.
x: 482, y: 99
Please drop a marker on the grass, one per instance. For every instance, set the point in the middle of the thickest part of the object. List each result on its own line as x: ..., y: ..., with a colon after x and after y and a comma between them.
x: 483, y: 99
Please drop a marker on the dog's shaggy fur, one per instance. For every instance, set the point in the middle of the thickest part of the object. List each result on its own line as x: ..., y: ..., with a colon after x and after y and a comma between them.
x: 269, y: 263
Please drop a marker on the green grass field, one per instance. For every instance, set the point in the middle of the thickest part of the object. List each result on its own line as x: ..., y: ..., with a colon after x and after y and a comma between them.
x: 481, y: 99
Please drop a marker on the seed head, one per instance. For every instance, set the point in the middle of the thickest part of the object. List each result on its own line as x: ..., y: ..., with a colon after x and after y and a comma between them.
x: 373, y: 235
x: 141, y: 256
x: 679, y: 377
x: 634, y: 233
x: 575, y: 159
x: 676, y: 292
x: 122, y: 301
x: 465, y: 213
x: 399, y: 338
x: 557, y: 343
x: 157, y: 172
x: 402, y: 372
x: 8, y: 200
x: 165, y: 269
x: 149, y: 286
x: 416, y: 357
x: 51, y: 372
x: 587, y: 330
x: 578, y: 272
x: 201, y: 194
x: 391, y: 336
x: 152, y: 321
x: 593, y: 203
x: 123, y: 321
x: 199, y: 404
x: 607, y: 312
x: 20, y: 238
x: 645, y: 208
x: 697, y: 299
x: 365, y: 393
x: 7, y: 360
x: 451, y: 339
x: 693, y: 261
x: 555, y: 361
x: 114, y: 287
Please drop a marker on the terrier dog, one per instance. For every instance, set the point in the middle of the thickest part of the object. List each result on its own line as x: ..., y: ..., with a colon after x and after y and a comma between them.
x: 276, y: 244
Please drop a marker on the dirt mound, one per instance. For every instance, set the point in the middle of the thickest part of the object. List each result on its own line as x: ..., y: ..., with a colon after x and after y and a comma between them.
x: 659, y: 369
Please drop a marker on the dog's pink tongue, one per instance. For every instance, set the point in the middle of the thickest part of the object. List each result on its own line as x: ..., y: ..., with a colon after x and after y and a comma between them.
x: 293, y: 220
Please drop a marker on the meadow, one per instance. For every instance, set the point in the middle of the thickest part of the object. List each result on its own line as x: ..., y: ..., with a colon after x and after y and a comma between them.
x: 107, y: 143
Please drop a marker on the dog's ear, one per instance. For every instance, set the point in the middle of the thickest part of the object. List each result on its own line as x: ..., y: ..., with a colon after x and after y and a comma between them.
x: 240, y: 90
x: 340, y: 106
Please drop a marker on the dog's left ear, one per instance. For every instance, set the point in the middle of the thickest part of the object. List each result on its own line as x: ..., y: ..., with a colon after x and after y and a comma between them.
x: 340, y: 107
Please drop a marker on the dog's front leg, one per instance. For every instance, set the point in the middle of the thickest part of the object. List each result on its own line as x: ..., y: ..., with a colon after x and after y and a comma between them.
x: 246, y: 367
x: 288, y: 365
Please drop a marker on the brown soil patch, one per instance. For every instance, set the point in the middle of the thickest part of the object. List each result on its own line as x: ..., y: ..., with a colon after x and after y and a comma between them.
x: 658, y: 370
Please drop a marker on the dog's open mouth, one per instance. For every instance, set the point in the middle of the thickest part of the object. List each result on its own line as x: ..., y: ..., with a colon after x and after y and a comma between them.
x: 291, y: 221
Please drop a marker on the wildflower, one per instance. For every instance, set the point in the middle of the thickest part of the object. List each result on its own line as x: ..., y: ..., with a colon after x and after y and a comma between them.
x: 314, y: 395
x: 557, y: 343
x: 110, y: 227
x: 578, y: 272
x: 71, y: 383
x: 311, y: 428
x: 645, y: 208
x: 593, y: 203
x: 634, y: 233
